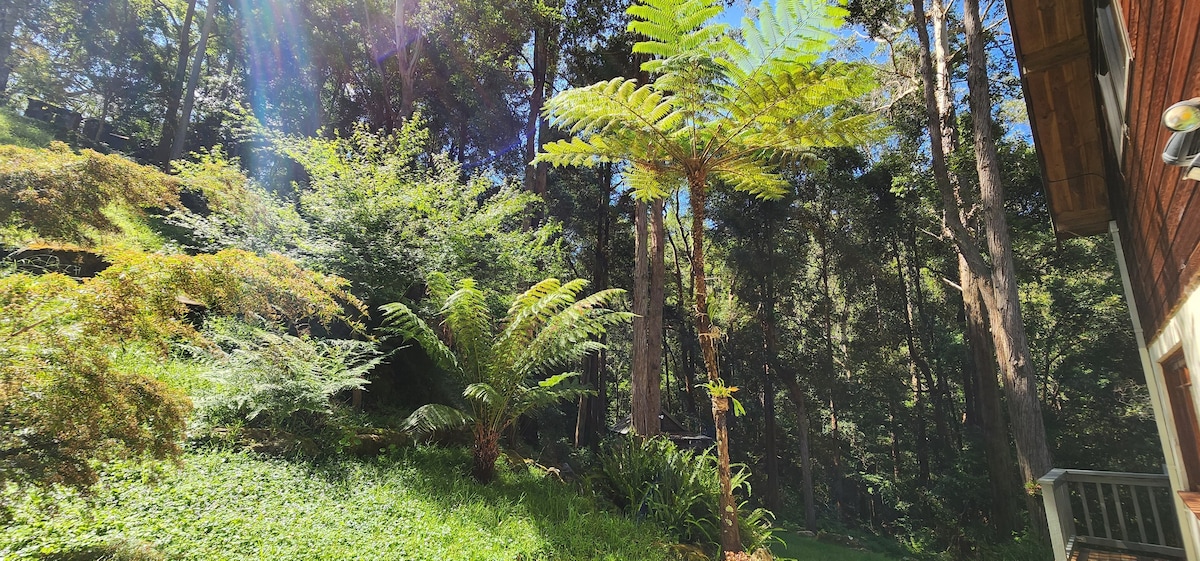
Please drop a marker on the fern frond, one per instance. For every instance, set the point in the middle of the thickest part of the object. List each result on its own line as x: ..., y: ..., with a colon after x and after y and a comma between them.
x: 398, y: 319
x: 673, y: 27
x: 752, y: 176
x: 435, y: 417
x: 469, y: 321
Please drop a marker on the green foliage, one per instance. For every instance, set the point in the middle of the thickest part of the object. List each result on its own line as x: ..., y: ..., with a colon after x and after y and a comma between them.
x: 64, y: 196
x: 223, y: 505
x: 63, y: 402
x: 385, y: 215
x: 677, y: 490
x: 239, y: 212
x: 507, y: 368
x: 146, y: 296
x: 795, y: 546
x: 716, y: 108
x: 26, y: 133
x: 264, y: 378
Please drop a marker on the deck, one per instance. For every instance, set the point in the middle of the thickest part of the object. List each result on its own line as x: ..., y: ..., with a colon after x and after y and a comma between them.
x: 1111, y: 516
x: 1085, y: 554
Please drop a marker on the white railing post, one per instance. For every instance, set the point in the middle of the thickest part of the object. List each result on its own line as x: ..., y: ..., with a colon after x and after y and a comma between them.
x: 1057, y: 497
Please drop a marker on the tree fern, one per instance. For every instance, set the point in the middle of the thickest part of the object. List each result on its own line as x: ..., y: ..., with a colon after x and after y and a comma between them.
x: 507, y: 367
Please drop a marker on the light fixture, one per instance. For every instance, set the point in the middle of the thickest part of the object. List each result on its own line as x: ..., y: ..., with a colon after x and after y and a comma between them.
x: 1183, y: 148
x: 1183, y: 116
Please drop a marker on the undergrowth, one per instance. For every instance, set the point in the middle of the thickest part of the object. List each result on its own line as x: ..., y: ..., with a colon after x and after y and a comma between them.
x: 413, y: 505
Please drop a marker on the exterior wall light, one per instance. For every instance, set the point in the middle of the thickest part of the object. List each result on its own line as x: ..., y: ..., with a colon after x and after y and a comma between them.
x: 1183, y: 149
x: 1183, y: 116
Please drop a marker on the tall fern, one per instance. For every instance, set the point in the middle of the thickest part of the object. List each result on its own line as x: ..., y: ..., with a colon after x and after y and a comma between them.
x: 718, y: 111
x: 507, y: 368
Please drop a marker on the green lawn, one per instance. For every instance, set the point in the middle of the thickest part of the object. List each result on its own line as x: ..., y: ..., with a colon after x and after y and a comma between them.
x: 223, y: 505
x: 27, y: 133
x: 810, y: 549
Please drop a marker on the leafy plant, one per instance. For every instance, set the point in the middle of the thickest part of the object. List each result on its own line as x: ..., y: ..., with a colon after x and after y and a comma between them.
x: 508, y: 367
x: 63, y: 403
x: 266, y: 378
x: 676, y: 489
x: 719, y: 111
x: 385, y: 214
x: 65, y: 196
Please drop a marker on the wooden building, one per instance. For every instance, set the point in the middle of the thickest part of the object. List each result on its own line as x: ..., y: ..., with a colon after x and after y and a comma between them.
x: 1098, y: 75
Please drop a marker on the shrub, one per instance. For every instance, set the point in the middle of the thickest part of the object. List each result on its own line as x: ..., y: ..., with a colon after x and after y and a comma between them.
x: 63, y: 195
x: 146, y: 296
x: 232, y: 210
x: 384, y: 214
x: 265, y: 378
x: 679, y: 490
x: 63, y: 404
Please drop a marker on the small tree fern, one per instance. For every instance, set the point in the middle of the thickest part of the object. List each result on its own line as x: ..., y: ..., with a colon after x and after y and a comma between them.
x: 718, y: 111
x: 507, y: 367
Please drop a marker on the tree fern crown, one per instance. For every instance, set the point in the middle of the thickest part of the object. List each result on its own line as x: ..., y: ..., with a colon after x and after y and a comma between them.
x: 718, y: 107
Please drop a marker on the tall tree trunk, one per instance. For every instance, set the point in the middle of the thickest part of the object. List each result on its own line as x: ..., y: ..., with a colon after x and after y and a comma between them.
x: 537, y: 96
x: 409, y: 44
x: 591, y: 418
x: 800, y: 400
x: 8, y: 26
x: 654, y: 311
x: 915, y: 364
x: 1001, y: 476
x: 1020, y: 384
x: 181, y: 128
x: 644, y: 414
x: 175, y: 90
x: 767, y: 322
x: 731, y: 541
x: 836, y: 485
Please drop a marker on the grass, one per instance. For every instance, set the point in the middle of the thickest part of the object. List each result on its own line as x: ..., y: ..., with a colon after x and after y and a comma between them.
x: 24, y: 132
x: 805, y: 549
x: 226, y: 505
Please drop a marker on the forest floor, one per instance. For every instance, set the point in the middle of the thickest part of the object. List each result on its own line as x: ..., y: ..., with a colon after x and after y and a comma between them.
x: 413, y: 505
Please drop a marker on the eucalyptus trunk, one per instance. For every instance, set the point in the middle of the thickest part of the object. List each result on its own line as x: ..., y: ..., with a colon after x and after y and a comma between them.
x: 175, y: 89
x: 1020, y: 384
x: 8, y: 26
x: 181, y: 128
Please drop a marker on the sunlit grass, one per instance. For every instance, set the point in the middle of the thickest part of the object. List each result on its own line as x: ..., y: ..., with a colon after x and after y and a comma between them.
x: 418, y: 505
x: 18, y: 130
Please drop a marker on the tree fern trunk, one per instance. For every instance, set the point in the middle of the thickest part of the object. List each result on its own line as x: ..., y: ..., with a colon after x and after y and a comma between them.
x: 731, y: 541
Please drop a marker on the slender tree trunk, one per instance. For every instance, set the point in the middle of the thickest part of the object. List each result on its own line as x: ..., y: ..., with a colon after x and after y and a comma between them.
x: 181, y: 128
x: 799, y: 399
x: 1020, y: 382
x: 686, y: 334
x: 915, y: 364
x: 731, y: 541
x: 537, y: 97
x: 643, y: 411
x: 409, y: 44
x: 654, y: 312
x: 8, y: 26
x: 767, y: 322
x: 175, y: 90
x: 591, y: 419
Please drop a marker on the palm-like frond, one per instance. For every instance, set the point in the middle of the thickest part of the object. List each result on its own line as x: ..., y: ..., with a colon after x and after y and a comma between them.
x: 435, y: 417
x: 751, y: 176
x: 469, y: 323
x: 674, y: 27
x: 552, y: 390
x: 398, y: 319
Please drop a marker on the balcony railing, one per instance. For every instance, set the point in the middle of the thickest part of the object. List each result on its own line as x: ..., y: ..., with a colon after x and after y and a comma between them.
x: 1129, y: 512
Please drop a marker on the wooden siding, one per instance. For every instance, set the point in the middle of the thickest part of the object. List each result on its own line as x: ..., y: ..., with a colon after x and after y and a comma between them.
x: 1157, y: 210
x: 1054, y: 52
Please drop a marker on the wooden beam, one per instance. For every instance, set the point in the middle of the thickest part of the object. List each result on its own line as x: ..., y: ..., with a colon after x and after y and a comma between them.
x: 1056, y: 54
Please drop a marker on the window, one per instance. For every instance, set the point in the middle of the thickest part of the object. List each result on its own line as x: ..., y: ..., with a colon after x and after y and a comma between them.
x: 1112, y: 69
x: 1183, y: 411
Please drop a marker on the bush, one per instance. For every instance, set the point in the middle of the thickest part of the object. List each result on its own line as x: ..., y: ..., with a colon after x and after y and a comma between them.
x: 679, y: 490
x: 63, y: 403
x: 231, y: 210
x: 268, y: 379
x: 65, y: 196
